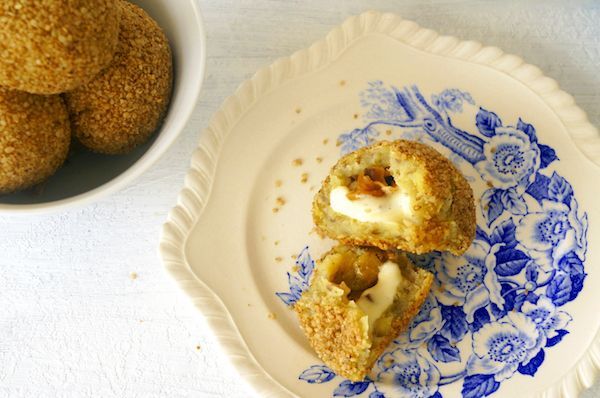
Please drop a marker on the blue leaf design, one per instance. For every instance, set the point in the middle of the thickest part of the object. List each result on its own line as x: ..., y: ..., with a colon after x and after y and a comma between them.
x: 357, y: 138
x: 481, y: 235
x: 559, y: 289
x: 547, y: 155
x: 509, y: 294
x: 440, y: 349
x: 513, y: 202
x: 510, y: 262
x: 559, y: 189
x: 504, y: 233
x: 348, y: 388
x: 298, y: 283
x: 376, y: 394
x: 491, y: 203
x: 317, y: 374
x: 533, y: 365
x: 306, y: 265
x: 573, y: 266
x: 479, y: 385
x: 560, y: 333
x: 468, y: 98
x: 287, y: 298
x: 497, y: 312
x: 576, y: 285
x: 480, y: 318
x: 527, y: 129
x: 531, y: 272
x: 487, y: 122
x: 456, y: 323
x: 539, y: 188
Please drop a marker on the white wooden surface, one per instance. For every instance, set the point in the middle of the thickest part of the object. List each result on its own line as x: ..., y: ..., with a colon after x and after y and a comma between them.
x: 73, y: 322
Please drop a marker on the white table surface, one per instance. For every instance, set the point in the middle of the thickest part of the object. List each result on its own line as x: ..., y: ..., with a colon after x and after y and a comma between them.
x: 73, y: 322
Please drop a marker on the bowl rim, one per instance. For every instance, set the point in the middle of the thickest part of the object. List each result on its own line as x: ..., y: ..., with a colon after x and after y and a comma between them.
x: 149, y: 158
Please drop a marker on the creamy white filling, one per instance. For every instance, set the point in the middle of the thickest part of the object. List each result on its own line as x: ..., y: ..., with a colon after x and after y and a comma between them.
x: 376, y: 299
x: 392, y: 207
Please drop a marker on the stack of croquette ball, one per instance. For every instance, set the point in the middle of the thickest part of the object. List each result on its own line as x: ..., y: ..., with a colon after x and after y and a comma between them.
x: 95, y: 71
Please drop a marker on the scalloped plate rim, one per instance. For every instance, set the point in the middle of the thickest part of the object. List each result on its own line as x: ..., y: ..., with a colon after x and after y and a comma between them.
x: 198, y: 181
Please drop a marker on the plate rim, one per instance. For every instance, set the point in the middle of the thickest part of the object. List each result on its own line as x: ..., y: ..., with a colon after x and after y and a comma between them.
x: 198, y: 180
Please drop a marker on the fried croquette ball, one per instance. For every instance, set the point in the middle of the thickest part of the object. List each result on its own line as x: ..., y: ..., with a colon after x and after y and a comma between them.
x: 358, y: 301
x: 52, y: 46
x: 124, y: 105
x: 397, y: 195
x: 34, y: 138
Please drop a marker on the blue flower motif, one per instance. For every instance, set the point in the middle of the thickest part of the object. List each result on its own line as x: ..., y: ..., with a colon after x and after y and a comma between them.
x: 511, y: 159
x: 423, y: 326
x: 406, y: 373
x: 546, y: 316
x: 500, y: 347
x: 470, y: 280
x: 496, y: 309
x: 547, y: 234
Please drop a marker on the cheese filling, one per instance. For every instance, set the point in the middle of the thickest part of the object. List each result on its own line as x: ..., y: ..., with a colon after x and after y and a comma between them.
x: 391, y: 208
x: 376, y: 299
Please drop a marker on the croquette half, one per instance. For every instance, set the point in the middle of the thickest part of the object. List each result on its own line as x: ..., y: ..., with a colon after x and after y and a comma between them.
x: 124, y: 105
x: 34, y: 138
x: 52, y: 46
x: 358, y: 301
x: 397, y: 195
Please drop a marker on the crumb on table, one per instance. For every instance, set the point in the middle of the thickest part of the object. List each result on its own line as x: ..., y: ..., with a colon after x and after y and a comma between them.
x: 275, y: 209
x: 342, y: 83
x: 276, y: 242
x: 297, y: 162
x: 304, y: 178
x: 272, y: 315
x: 279, y: 259
x: 133, y: 275
x: 295, y: 268
x: 280, y: 201
x: 198, y: 348
x: 319, y: 159
x: 278, y: 183
x: 298, y: 110
x: 325, y: 141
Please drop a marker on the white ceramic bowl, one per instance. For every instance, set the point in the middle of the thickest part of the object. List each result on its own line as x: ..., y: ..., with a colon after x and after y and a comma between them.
x: 86, y: 177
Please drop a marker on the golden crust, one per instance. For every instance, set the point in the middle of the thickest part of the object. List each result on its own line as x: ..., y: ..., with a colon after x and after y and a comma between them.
x: 51, y: 46
x: 447, y: 210
x: 125, y: 103
x: 34, y: 138
x: 337, y: 328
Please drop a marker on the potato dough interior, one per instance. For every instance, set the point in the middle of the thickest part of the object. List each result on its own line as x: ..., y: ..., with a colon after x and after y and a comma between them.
x: 350, y: 315
x: 397, y: 195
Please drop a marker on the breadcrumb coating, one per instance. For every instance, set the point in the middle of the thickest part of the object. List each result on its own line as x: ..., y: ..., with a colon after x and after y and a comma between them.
x: 443, y: 209
x: 34, y: 138
x: 124, y: 105
x: 52, y: 46
x: 337, y: 328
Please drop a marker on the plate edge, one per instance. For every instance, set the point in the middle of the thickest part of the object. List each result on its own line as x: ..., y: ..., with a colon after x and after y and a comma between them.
x: 198, y: 180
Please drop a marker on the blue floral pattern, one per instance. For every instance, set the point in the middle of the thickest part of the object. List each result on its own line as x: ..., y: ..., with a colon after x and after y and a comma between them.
x: 495, y: 311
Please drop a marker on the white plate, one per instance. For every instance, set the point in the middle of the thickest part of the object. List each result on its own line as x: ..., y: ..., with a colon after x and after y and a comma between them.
x: 516, y: 316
